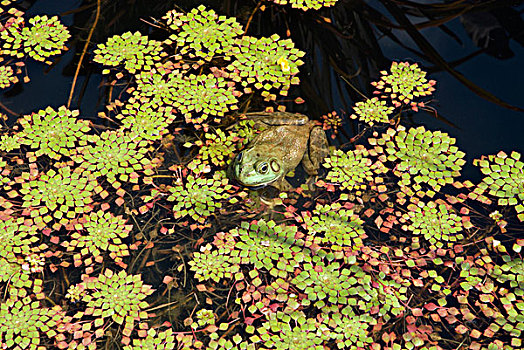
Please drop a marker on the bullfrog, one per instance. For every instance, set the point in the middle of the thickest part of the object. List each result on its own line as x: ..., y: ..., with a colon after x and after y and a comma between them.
x: 287, y: 140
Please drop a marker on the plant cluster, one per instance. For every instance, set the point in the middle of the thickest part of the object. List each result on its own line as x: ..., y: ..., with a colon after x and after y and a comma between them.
x: 504, y: 178
x: 435, y: 222
x: 161, y: 340
x: 23, y: 321
x: 134, y: 50
x: 403, y: 83
x: 372, y: 111
x: 98, y: 232
x: 116, y: 155
x: 7, y: 77
x: 217, y: 148
x: 333, y: 226
x: 61, y: 194
x: 45, y: 37
x: 205, y: 95
x: 55, y: 133
x: 422, y: 156
x: 148, y: 120
x: 118, y: 296
x: 202, y: 33
x: 265, y: 63
x: 198, y: 197
x: 307, y: 4
x: 352, y: 170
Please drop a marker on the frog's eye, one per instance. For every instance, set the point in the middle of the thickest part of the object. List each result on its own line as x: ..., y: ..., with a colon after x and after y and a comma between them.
x: 263, y: 168
x: 275, y: 166
x: 239, y: 157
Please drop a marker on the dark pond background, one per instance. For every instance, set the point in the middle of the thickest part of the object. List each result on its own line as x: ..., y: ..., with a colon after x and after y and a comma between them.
x: 482, y: 127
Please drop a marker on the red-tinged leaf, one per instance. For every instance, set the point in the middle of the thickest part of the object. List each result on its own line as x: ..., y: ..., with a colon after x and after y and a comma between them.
x: 369, y: 212
x: 150, y: 263
x: 119, y: 201
x: 105, y: 206
x: 211, y: 328
x: 475, y: 333
x: 431, y: 306
x: 201, y: 287
x: 299, y: 100
x: 78, y: 334
x: 379, y: 221
x: 167, y: 279
x: 87, y: 340
x: 99, y: 333
x: 249, y: 320
x: 461, y: 329
x: 62, y: 345
x: 410, y: 319
x: 416, y: 312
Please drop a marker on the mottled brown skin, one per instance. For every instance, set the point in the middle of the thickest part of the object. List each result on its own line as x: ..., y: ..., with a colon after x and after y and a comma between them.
x: 287, y: 140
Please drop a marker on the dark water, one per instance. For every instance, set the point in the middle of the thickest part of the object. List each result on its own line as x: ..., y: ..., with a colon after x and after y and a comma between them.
x: 482, y: 127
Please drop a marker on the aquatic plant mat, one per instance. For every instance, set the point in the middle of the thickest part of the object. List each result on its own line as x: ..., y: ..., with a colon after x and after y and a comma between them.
x: 126, y: 233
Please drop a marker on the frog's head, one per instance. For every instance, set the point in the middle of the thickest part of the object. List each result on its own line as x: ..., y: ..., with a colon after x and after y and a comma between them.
x: 252, y: 168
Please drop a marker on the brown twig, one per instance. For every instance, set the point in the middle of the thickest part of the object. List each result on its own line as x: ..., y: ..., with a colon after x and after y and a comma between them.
x: 83, y: 53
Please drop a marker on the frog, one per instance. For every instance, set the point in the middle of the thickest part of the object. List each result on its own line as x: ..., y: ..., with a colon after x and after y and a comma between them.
x: 287, y: 140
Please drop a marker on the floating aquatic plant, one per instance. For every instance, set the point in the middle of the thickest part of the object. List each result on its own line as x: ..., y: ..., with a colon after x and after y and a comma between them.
x: 54, y: 132
x: 10, y: 142
x: 335, y: 226
x: 293, y: 332
x: 157, y: 87
x: 352, y: 170
x: 199, y: 97
x: 332, y: 121
x: 204, y: 317
x: 511, y: 271
x: 117, y: 295
x: 44, y: 38
x: 7, y: 77
x: 421, y: 156
x: 198, y: 197
x: 218, y: 148
x: 504, y: 178
x: 62, y: 193
x: 267, y: 245
x: 23, y: 321
x: 16, y: 238
x: 116, y: 155
x: 236, y: 342
x: 98, y: 232
x: 4, y: 178
x: 351, y: 331
x: 202, y: 33
x: 157, y: 340
x: 148, y: 120
x: 372, y: 111
x: 324, y: 283
x: 266, y: 63
x: 213, y: 264
x: 16, y: 276
x: 435, y: 222
x: 405, y: 82
x: 307, y: 4
x: 134, y: 50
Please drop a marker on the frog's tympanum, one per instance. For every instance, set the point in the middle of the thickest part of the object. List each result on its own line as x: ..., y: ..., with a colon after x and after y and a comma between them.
x: 287, y: 140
